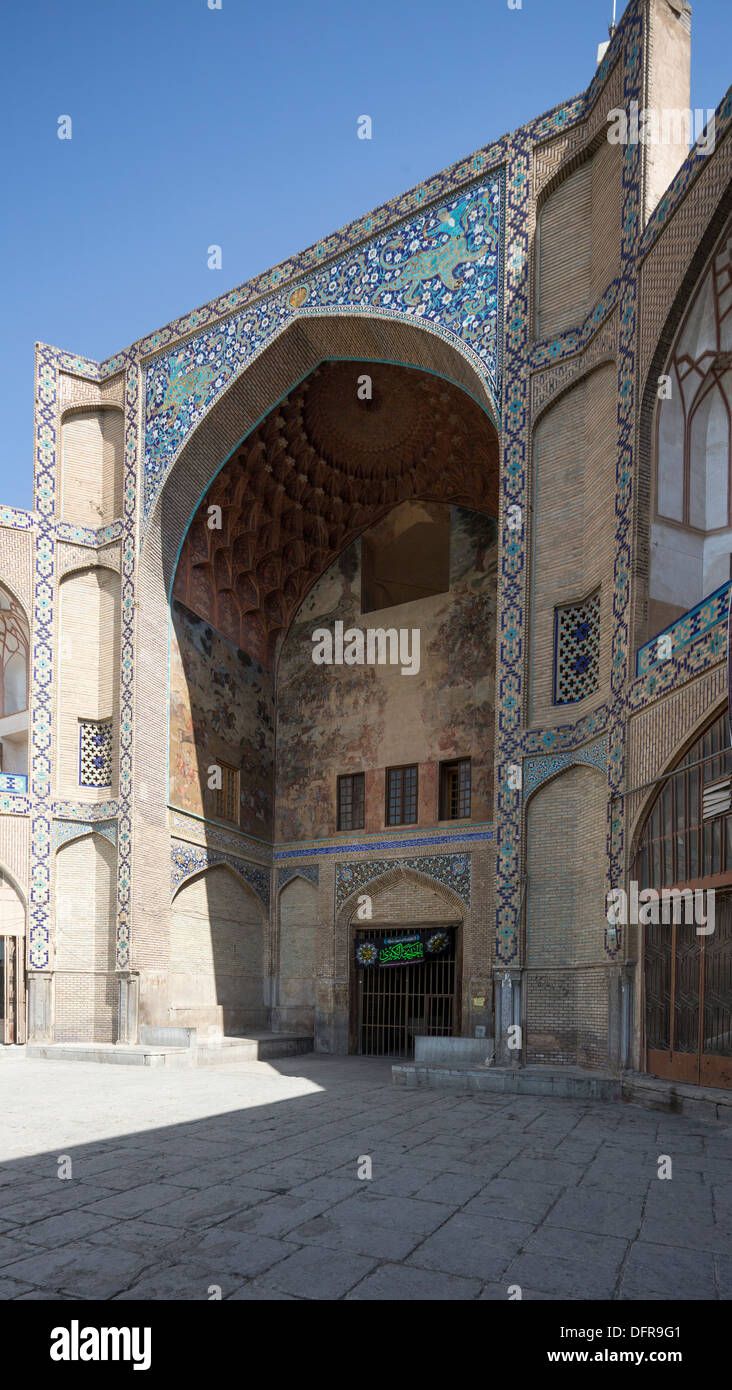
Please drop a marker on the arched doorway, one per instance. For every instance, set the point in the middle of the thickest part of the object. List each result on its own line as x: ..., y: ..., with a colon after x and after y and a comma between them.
x: 685, y: 845
x: 405, y: 963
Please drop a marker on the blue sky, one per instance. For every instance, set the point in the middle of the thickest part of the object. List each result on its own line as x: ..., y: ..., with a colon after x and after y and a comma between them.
x: 238, y: 127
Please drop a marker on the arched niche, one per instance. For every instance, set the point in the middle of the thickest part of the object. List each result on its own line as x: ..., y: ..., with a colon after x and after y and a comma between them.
x: 691, y: 526
x: 92, y: 446
x: 217, y: 955
x: 85, y: 893
x: 296, y: 973
x: 88, y: 697
x: 566, y: 1006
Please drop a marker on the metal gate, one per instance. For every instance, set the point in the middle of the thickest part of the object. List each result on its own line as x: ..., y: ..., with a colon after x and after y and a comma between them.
x: 688, y: 982
x: 397, y: 1003
x: 12, y: 992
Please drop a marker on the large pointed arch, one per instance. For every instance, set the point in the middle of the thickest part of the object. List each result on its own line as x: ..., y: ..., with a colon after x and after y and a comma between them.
x: 266, y: 381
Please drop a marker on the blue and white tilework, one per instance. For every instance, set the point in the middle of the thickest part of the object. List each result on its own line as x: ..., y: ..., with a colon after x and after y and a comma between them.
x: 186, y: 860
x: 538, y: 770
x: 308, y: 871
x: 452, y: 870
x: 443, y: 269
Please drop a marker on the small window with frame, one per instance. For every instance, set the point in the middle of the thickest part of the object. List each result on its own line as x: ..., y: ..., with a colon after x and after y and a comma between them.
x: 455, y: 790
x: 226, y: 797
x: 351, y: 801
x: 401, y: 795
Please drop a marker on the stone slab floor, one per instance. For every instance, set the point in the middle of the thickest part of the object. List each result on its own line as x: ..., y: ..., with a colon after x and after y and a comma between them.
x: 244, y: 1179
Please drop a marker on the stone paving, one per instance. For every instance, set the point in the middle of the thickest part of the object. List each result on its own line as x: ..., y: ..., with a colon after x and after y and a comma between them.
x: 244, y: 1179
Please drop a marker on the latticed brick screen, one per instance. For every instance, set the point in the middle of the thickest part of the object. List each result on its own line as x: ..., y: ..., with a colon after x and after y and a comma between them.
x: 577, y: 651
x: 95, y: 753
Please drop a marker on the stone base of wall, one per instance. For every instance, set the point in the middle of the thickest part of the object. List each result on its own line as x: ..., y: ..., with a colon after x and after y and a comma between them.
x: 223, y: 1020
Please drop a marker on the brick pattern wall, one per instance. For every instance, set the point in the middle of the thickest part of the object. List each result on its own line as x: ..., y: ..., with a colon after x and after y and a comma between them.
x: 88, y: 670
x: 218, y: 947
x: 75, y: 557
x: 86, y: 883
x: 565, y: 890
x: 295, y: 963
x: 16, y: 564
x: 579, y: 241
x: 668, y: 41
x: 568, y: 1018
x: 76, y: 393
x: 574, y: 462
x: 565, y: 254
x: 566, y: 1009
x: 91, y: 468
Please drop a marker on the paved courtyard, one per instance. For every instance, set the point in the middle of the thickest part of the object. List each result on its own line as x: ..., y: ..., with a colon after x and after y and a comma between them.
x: 244, y: 1179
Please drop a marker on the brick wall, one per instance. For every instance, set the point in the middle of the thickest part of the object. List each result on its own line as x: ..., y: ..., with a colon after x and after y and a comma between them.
x: 86, y: 891
x: 296, y: 960
x: 88, y: 670
x: 574, y: 513
x: 668, y: 40
x: 579, y: 241
x: 91, y: 469
x: 566, y: 1010
x: 218, y: 944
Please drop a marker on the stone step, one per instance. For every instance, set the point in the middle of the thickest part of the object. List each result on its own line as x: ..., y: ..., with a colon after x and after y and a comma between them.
x: 567, y: 1082
x: 705, y: 1103
x: 258, y: 1047
x: 119, y: 1054
x: 696, y: 1102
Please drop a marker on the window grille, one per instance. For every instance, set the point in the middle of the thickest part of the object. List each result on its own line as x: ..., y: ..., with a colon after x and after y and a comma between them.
x: 95, y: 753
x: 577, y: 651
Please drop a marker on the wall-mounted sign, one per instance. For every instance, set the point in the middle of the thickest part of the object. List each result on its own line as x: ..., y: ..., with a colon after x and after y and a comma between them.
x: 408, y: 948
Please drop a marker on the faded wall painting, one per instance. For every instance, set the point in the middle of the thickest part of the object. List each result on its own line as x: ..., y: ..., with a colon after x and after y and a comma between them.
x: 335, y: 719
x: 221, y: 710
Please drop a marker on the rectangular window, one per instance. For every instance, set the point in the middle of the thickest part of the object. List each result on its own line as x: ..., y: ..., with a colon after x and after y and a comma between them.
x: 455, y: 790
x: 351, y: 802
x: 227, y: 795
x: 401, y: 795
